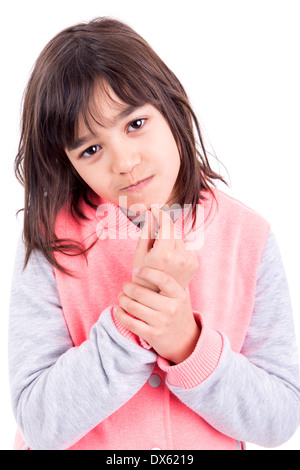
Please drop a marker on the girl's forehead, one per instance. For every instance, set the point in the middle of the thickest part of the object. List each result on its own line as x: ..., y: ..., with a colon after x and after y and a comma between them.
x: 104, y: 105
x: 105, y: 109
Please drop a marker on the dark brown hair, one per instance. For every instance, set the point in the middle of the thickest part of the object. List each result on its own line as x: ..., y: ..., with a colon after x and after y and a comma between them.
x: 60, y: 88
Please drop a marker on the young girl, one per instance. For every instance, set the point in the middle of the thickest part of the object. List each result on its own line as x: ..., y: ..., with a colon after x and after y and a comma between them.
x: 148, y: 308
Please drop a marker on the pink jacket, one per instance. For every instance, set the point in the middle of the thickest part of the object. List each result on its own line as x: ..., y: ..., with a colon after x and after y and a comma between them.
x: 222, y: 293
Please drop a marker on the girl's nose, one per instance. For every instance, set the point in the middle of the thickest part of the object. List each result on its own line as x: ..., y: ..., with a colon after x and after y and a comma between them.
x: 124, y: 159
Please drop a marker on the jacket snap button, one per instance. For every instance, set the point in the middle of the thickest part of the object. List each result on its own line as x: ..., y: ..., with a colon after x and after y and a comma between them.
x: 154, y: 381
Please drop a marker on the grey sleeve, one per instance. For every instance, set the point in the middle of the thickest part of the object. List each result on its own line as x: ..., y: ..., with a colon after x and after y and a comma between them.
x: 60, y: 392
x: 254, y: 396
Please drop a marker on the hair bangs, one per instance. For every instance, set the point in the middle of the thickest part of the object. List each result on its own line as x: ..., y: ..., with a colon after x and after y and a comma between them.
x: 85, y: 110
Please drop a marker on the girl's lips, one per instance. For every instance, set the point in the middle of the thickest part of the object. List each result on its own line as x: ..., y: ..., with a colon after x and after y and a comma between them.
x: 138, y: 186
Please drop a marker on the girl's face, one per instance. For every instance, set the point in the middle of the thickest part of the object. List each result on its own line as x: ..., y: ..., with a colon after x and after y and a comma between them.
x: 132, y: 154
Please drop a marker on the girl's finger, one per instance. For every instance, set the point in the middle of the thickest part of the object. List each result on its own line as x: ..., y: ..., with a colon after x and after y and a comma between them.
x: 136, y: 308
x: 147, y: 236
x: 166, y: 284
x: 143, y: 295
x: 180, y: 244
x: 136, y: 326
x: 165, y: 238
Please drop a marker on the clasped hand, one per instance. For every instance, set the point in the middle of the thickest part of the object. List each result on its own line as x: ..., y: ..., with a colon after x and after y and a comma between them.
x: 158, y: 297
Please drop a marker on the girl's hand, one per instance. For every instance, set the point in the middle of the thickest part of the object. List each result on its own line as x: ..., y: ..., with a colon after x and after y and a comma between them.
x: 165, y: 252
x: 163, y: 318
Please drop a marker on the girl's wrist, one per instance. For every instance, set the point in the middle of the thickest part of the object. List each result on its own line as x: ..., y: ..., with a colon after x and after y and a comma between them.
x: 200, y: 364
x: 185, y: 350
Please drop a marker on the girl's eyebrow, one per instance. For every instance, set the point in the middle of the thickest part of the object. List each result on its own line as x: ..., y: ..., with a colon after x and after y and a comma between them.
x: 84, y: 140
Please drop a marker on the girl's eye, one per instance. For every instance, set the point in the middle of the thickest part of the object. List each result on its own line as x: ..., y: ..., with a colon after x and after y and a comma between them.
x: 137, y: 124
x: 91, y: 151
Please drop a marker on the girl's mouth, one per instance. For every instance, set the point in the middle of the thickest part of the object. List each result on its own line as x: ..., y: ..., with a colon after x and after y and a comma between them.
x: 139, y: 185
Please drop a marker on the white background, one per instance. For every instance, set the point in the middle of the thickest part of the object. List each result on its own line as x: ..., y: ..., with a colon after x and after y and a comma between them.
x: 239, y: 63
